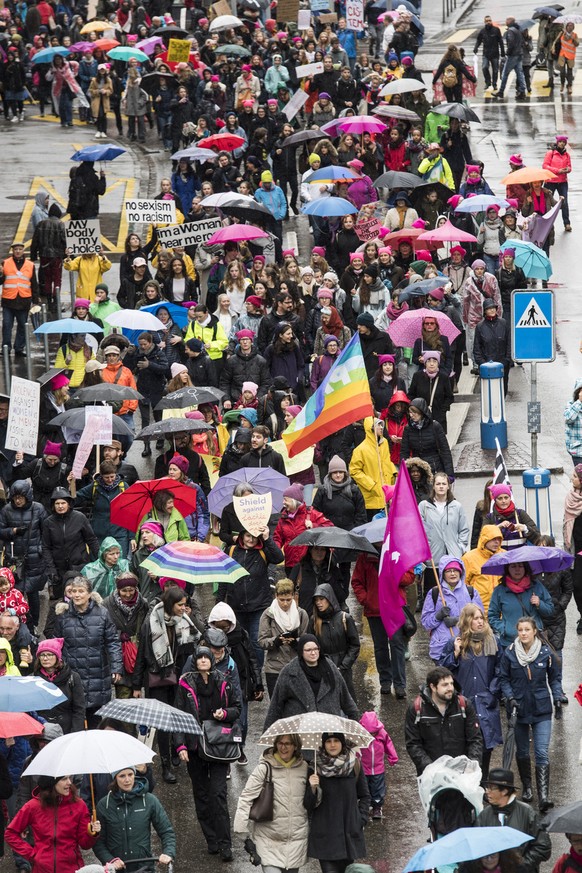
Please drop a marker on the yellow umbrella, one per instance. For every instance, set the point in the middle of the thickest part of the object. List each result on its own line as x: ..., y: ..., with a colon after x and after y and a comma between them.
x: 96, y: 27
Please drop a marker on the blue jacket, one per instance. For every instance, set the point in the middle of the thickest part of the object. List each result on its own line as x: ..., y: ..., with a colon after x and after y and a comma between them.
x: 456, y: 598
x: 347, y: 40
x: 185, y: 189
x: 478, y: 677
x: 505, y: 608
x: 529, y: 685
x: 573, y: 417
x: 274, y: 200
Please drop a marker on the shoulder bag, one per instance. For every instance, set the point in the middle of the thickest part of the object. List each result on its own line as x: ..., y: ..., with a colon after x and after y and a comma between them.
x: 263, y: 806
x: 219, y: 741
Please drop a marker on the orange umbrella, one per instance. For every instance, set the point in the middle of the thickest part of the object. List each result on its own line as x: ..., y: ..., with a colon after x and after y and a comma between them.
x: 106, y: 44
x: 96, y: 27
x: 529, y: 174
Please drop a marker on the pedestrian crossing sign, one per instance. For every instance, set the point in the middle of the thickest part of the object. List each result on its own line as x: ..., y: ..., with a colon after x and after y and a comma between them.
x: 532, y: 319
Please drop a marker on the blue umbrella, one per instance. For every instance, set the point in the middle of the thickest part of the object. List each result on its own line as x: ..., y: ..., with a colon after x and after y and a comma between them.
x: 466, y: 844
x: 28, y: 693
x: 98, y: 153
x: 533, y: 261
x: 332, y: 174
x: 546, y: 11
x: 525, y: 23
x: 68, y: 325
x: 329, y: 206
x: 541, y: 559
x: 178, y: 314
x: 45, y: 56
x: 480, y: 203
x: 262, y: 479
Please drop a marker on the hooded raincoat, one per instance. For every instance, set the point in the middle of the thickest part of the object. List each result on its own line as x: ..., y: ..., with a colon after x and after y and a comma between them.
x: 102, y: 577
x: 475, y: 559
x: 371, y: 467
x: 455, y: 598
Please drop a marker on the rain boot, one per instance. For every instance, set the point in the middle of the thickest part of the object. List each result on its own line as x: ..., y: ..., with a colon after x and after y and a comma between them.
x: 543, y: 786
x: 167, y: 774
x: 524, y: 767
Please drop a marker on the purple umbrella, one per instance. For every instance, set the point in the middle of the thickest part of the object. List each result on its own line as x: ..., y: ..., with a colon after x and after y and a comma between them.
x: 262, y: 480
x: 149, y: 44
x: 541, y: 559
x: 82, y: 47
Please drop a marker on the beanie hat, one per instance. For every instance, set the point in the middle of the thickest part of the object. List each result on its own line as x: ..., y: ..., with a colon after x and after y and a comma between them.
x: 454, y: 564
x: 246, y: 68
x: 354, y: 256
x: 293, y: 410
x: 372, y: 271
x: 437, y: 294
x: 420, y: 223
x: 266, y: 176
x: 508, y: 252
x: 254, y: 301
x: 303, y: 640
x: 418, y: 267
x: 50, y: 731
x: 458, y: 250
x: 243, y: 435
x: 180, y: 462
x: 272, y: 101
x: 516, y: 160
x: 163, y: 580
x: 305, y: 271
x: 386, y: 359
x: 365, y: 319
x: 478, y: 263
x: 330, y: 338
x: 424, y: 255
x: 313, y: 158
x: 46, y: 783
x: 133, y: 769
x: 245, y: 333
x: 260, y: 258
x: 194, y: 415
x: 318, y: 250
x: 494, y: 207
x: 82, y: 302
x: 52, y: 449
x: 497, y: 490
x: 54, y: 646
x: 407, y: 62
x: 454, y: 200
x: 195, y: 345
x: 385, y: 250
x: 356, y: 164
x: 325, y: 294
x: 324, y: 96
x: 252, y: 387
x: 431, y: 355
x: 59, y: 381
x: 176, y: 369
x: 154, y: 527
x: 295, y: 492
x: 127, y: 580
x: 337, y: 465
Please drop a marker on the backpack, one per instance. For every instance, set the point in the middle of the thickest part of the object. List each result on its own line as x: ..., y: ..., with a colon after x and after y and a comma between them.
x: 418, y: 706
x: 78, y: 196
x: 435, y: 593
x: 450, y: 79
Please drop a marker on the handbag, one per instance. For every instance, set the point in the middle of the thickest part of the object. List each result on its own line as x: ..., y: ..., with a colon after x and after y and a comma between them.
x: 156, y: 680
x: 262, y: 807
x: 129, y: 655
x: 219, y: 741
x: 410, y: 626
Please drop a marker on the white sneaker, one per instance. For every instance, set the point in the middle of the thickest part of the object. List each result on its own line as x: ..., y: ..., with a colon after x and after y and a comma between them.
x: 21, y: 116
x: 97, y: 135
x: 14, y: 119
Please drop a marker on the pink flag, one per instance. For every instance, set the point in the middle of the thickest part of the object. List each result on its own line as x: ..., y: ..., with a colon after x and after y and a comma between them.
x: 405, y: 545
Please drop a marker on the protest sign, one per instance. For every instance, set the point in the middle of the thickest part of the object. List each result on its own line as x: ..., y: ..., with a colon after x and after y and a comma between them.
x: 309, y: 69
x: 328, y: 18
x: 87, y: 440
x: 320, y: 5
x: 298, y: 100
x: 253, y: 511
x: 150, y: 211
x: 287, y: 10
x: 179, y: 51
x: 355, y: 14
x: 83, y: 236
x: 192, y: 233
x: 102, y: 424
x: 221, y: 7
x: 296, y: 464
x: 212, y: 464
x: 366, y: 230
x: 304, y: 19
x: 23, y: 415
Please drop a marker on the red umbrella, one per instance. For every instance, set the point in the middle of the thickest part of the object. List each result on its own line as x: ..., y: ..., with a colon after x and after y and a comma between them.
x: 129, y: 508
x: 226, y: 142
x: 415, y: 235
x: 106, y: 44
x: 18, y: 724
x: 447, y: 232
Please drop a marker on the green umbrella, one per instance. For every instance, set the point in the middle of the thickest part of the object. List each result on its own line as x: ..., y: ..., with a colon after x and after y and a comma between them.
x: 125, y: 53
x: 239, y: 51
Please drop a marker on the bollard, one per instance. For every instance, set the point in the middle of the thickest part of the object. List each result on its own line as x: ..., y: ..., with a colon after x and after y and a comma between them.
x: 6, y: 357
x: 493, y: 423
x: 28, y: 351
x: 536, y: 483
x: 72, y: 290
x: 59, y: 302
x: 47, y: 360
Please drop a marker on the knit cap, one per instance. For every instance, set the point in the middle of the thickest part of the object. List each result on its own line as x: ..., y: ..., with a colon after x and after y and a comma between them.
x: 295, y: 492
x: 337, y: 465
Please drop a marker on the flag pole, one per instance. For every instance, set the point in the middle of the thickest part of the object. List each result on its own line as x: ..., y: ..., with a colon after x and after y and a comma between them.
x: 440, y: 588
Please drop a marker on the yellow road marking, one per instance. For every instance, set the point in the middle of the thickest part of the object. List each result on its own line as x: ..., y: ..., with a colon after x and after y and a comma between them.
x: 460, y: 36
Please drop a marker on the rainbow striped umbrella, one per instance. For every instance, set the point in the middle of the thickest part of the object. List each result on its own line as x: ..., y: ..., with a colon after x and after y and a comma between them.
x: 196, y: 563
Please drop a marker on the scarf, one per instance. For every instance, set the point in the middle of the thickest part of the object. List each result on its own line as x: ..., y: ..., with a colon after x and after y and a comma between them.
x: 335, y: 325
x: 431, y: 376
x: 509, y: 510
x: 524, y: 658
x: 488, y: 640
x: 330, y: 486
x: 539, y: 202
x: 572, y: 509
x: 288, y: 764
x: 518, y: 587
x: 112, y: 487
x: 287, y: 621
x: 394, y: 313
x: 126, y: 608
x: 341, y: 765
x: 159, y: 625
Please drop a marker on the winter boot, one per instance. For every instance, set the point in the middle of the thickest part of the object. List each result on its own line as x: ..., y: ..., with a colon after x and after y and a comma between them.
x: 543, y: 786
x: 167, y: 774
x: 524, y: 767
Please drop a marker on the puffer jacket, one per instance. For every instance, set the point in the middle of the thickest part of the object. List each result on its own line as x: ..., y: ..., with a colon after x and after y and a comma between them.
x: 253, y: 591
x: 447, y: 532
x: 455, y: 599
x: 474, y: 560
x: 69, y: 714
x: 127, y: 819
x: 492, y: 342
x: 506, y: 608
x: 68, y: 541
x: 102, y: 577
x: 288, y: 528
x: 152, y: 379
x: 345, y: 508
x: 128, y: 626
x: 241, y: 368
x: 364, y: 467
x: 60, y: 832
x: 278, y: 655
x: 428, y: 442
x: 372, y: 757
x: 281, y: 842
x: 92, y: 647
x: 336, y: 631
x: 561, y: 586
x: 28, y: 541
x: 528, y: 685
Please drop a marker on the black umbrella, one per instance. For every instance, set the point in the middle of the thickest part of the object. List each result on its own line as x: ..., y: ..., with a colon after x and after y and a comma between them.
x: 303, y: 136
x: 546, y: 12
x: 50, y: 374
x: 564, y: 819
x: 396, y: 179
x: 509, y: 744
x: 75, y: 419
x: 107, y: 392
x: 456, y: 110
x: 151, y: 81
x: 334, y: 538
x: 172, y: 426
x: 245, y: 212
x: 172, y: 31
x: 190, y: 396
x: 443, y: 193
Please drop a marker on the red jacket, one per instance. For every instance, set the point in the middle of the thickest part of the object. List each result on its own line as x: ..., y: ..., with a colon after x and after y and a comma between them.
x: 288, y: 528
x: 556, y: 160
x: 365, y: 583
x: 396, y: 159
x: 59, y: 833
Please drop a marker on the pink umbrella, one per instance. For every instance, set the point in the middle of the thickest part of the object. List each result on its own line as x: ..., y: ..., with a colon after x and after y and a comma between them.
x: 149, y: 44
x: 408, y: 327
x: 236, y: 233
x: 447, y: 232
x: 331, y: 128
x: 391, y: 14
x: 360, y: 124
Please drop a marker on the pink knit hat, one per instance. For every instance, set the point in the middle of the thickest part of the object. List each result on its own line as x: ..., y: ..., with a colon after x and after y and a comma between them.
x: 354, y: 256
x: 176, y: 369
x: 295, y: 492
x: 58, y: 381
x: 294, y: 410
x: 154, y: 527
x: 497, y: 490
x: 180, y: 462
x: 52, y: 449
x: 423, y: 255
x: 252, y: 387
x: 54, y: 646
x: 194, y: 415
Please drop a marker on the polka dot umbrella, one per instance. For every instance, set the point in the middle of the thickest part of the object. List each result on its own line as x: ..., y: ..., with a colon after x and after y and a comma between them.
x: 311, y: 725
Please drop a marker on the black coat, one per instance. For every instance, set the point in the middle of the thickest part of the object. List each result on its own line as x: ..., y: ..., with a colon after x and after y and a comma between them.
x: 202, y: 371
x: 338, y: 636
x: 230, y: 462
x: 307, y: 576
x: 197, y: 471
x: 293, y: 694
x: 561, y: 586
x: 382, y: 391
x: 70, y: 714
x: 377, y: 342
x: 429, y: 443
x: 421, y: 386
x: 337, y: 824
x: 68, y: 542
x: 268, y: 457
x: 523, y: 818
x: 28, y: 542
x: 253, y: 591
x: 92, y: 647
x: 150, y: 380
x: 430, y: 734
x: 222, y: 697
x: 241, y: 368
x: 146, y: 662
x: 492, y: 342
x: 44, y: 479
x: 345, y: 508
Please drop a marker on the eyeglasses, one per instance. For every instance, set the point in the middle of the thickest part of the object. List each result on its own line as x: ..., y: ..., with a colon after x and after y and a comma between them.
x: 311, y: 650
x: 47, y: 655
x: 285, y: 744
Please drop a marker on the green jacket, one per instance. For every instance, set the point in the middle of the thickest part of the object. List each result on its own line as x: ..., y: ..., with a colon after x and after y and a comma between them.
x: 99, y: 574
x: 102, y: 311
x: 126, y: 824
x: 175, y: 529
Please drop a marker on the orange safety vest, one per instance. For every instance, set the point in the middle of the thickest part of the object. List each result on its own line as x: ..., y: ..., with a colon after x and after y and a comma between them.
x: 17, y: 282
x: 568, y: 47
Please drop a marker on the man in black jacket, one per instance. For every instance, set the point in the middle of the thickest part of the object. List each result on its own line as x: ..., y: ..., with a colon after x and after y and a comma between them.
x: 150, y: 367
x: 490, y: 38
x: 325, y: 82
x: 374, y: 342
x: 261, y: 454
x: 246, y: 365
x: 514, y: 59
x: 226, y: 177
x: 503, y: 809
x: 282, y: 311
x: 441, y: 722
x: 493, y: 341
x: 49, y: 244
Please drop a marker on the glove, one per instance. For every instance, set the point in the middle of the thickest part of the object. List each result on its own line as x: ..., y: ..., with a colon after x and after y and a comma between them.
x: 558, y: 710
x: 512, y: 706
x: 451, y: 621
x: 443, y: 613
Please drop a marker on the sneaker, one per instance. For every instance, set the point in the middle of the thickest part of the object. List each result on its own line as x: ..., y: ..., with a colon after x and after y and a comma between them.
x: 228, y: 772
x: 377, y: 812
x: 226, y: 855
x: 14, y: 119
x: 568, y: 228
x: 465, y: 359
x: 243, y: 760
x: 401, y: 694
x: 579, y: 627
x: 21, y: 116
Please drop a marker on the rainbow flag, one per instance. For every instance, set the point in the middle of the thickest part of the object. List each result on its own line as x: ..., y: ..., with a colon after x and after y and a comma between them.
x: 342, y: 398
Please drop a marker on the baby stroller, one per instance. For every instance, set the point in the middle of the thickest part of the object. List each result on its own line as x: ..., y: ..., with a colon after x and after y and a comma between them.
x: 451, y: 794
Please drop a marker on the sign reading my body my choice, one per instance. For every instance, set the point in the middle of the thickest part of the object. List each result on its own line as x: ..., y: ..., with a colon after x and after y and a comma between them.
x: 150, y: 211
x: 83, y: 236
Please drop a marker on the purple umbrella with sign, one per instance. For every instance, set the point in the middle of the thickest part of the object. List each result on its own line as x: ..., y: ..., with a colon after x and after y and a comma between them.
x: 541, y: 559
x: 262, y: 480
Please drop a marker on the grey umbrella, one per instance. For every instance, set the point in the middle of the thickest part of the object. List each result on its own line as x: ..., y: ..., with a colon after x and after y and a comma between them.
x: 190, y: 396
x: 172, y: 426
x: 152, y: 713
x: 107, y: 392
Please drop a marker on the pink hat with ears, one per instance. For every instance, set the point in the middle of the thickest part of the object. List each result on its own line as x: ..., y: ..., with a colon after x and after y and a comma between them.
x: 354, y: 256
x: 384, y: 231
x: 54, y: 646
x: 163, y: 581
x: 454, y: 200
x: 318, y: 250
x: 423, y: 255
x: 494, y: 207
x: 388, y: 492
x: 513, y: 203
x: 385, y: 250
x: 497, y: 490
x: 420, y: 222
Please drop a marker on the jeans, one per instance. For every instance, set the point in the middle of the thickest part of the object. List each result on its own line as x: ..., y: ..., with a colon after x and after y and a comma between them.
x: 561, y: 189
x: 492, y: 262
x: 388, y: 654
x: 66, y: 107
x: 513, y: 63
x: 490, y: 76
x: 250, y: 622
x: 377, y: 787
x: 8, y: 318
x: 542, y: 731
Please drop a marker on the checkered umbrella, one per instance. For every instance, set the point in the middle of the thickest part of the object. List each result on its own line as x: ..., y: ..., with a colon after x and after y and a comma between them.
x: 311, y: 725
x: 152, y: 714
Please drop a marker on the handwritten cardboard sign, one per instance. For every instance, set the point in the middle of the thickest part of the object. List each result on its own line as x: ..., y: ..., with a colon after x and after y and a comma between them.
x: 367, y: 230
x: 83, y: 236
x: 253, y: 511
x: 22, y: 432
x: 179, y: 50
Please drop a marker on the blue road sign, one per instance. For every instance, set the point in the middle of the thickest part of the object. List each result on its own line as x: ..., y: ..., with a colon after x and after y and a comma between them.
x: 532, y: 326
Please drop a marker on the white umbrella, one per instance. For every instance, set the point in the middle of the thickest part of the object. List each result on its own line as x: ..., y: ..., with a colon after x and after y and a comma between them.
x: 225, y: 22
x: 89, y: 752
x: 134, y: 319
x: 311, y: 725
x: 402, y: 86
x: 226, y: 198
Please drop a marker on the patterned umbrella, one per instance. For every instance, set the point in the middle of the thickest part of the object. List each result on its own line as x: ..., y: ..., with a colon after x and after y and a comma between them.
x: 28, y: 693
x: 311, y: 725
x: 408, y: 327
x: 184, y: 398
x: 192, y: 562
x: 152, y: 714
